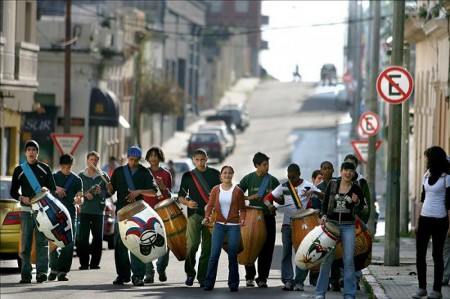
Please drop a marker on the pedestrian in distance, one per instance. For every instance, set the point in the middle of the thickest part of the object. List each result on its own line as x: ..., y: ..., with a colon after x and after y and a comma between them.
x: 172, y: 171
x: 163, y: 179
x: 293, y: 196
x: 258, y: 184
x: 69, y: 191
x: 195, y: 189
x: 343, y: 199
x: 112, y: 164
x: 316, y: 179
x: 91, y: 213
x: 131, y: 182
x: 32, y: 177
x: 228, y: 201
x: 433, y: 220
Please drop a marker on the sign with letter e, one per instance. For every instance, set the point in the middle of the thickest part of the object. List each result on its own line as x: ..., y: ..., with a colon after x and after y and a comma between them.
x: 395, y: 85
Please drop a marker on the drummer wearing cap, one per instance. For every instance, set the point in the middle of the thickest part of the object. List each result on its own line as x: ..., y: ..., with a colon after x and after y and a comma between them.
x: 131, y: 182
x: 32, y: 178
x: 342, y: 200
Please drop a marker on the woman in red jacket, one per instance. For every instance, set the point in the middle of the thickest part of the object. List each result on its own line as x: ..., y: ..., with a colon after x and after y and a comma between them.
x: 228, y: 201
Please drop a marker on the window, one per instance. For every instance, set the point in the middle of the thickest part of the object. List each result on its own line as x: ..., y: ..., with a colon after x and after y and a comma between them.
x: 241, y: 5
x: 216, y: 5
x: 28, y: 21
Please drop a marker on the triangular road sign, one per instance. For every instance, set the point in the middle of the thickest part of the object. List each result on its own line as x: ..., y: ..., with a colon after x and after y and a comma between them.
x: 361, y: 148
x: 67, y: 143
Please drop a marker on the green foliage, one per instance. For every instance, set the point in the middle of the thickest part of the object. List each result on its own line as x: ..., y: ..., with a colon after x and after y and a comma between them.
x: 160, y: 97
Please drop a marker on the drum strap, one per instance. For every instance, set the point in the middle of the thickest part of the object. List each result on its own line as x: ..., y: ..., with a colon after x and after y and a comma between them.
x: 127, y: 173
x: 263, y: 186
x: 201, y: 184
x: 294, y: 194
x: 31, y: 177
x: 69, y: 181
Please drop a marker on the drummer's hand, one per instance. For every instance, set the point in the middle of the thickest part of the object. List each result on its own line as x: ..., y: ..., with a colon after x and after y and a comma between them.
x: 78, y: 200
x: 44, y: 189
x: 89, y: 196
x: 192, y: 204
x: 205, y: 221
x: 110, y: 188
x: 323, y: 219
x: 132, y: 195
x: 242, y: 223
x: 61, y: 192
x: 355, y: 198
x: 253, y: 197
x: 25, y: 200
x: 97, y: 189
x: 272, y: 209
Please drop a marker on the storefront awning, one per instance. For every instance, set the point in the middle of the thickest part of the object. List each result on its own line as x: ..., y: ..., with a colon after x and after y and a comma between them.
x: 103, y: 108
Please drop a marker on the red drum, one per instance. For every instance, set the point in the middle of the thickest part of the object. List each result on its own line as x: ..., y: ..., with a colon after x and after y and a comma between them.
x: 253, y: 235
x: 302, y: 223
x: 363, y: 247
x: 142, y: 231
x: 317, y: 244
x: 212, y: 221
x: 52, y: 219
x: 175, y: 224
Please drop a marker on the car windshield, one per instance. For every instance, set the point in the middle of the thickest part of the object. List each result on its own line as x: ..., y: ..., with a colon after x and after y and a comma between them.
x: 5, y: 187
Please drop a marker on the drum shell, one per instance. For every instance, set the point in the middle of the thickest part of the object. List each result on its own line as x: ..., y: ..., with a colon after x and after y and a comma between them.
x: 302, y: 223
x: 142, y: 231
x: 175, y: 224
x: 52, y: 219
x: 253, y: 235
x: 317, y: 244
x: 212, y: 221
x: 363, y: 247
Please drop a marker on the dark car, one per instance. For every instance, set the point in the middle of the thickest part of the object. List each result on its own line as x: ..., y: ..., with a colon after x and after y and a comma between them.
x: 239, y: 115
x: 211, y: 142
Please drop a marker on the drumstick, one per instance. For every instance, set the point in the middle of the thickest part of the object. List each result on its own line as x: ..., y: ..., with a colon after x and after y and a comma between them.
x: 101, y: 174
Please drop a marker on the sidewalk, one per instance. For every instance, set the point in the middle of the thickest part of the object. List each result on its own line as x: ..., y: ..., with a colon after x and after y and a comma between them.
x: 398, y: 282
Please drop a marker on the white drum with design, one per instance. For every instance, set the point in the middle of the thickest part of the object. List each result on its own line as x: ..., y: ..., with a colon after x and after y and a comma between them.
x: 316, y: 245
x: 52, y: 219
x: 142, y: 231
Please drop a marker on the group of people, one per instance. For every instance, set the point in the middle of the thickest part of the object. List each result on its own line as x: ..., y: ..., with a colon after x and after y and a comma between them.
x: 204, y: 190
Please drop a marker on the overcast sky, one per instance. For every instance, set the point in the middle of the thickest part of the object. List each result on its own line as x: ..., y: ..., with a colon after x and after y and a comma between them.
x: 294, y: 37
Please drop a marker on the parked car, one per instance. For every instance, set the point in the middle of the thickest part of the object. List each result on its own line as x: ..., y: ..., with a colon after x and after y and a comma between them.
x: 239, y: 115
x: 211, y: 142
x: 220, y: 128
x: 181, y: 166
x: 9, y: 223
x: 108, y: 222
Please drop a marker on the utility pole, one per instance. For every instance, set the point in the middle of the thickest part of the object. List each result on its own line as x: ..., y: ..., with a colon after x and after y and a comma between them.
x: 67, y: 64
x: 404, y: 173
x: 391, y: 247
x: 372, y: 102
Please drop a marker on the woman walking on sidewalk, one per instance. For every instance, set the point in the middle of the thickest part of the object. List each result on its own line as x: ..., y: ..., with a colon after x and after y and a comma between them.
x: 433, y: 221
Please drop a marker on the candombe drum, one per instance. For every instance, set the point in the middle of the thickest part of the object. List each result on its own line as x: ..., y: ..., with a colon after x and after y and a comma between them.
x: 212, y: 221
x: 302, y: 223
x: 253, y: 235
x: 316, y: 245
x: 363, y: 247
x: 142, y: 231
x: 175, y: 224
x: 52, y: 219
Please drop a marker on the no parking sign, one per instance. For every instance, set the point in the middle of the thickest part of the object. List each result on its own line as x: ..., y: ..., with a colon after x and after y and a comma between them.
x: 395, y: 85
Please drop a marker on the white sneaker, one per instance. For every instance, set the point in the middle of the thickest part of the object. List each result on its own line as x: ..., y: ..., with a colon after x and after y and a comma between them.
x: 420, y: 294
x: 250, y: 283
x: 299, y: 287
x: 435, y: 295
x: 320, y: 297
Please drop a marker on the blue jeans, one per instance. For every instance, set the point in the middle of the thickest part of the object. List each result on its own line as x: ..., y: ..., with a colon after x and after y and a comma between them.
x: 287, y: 273
x: 348, y: 247
x: 161, y: 265
x: 27, y: 225
x: 233, y: 232
x: 125, y: 261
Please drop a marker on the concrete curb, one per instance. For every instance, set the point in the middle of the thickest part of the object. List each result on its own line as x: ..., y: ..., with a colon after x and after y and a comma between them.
x: 373, y: 287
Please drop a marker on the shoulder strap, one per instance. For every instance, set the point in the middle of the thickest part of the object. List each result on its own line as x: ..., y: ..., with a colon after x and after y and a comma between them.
x: 201, y: 184
x: 263, y: 186
x: 69, y: 181
x: 31, y: 177
x: 294, y: 195
x: 127, y: 173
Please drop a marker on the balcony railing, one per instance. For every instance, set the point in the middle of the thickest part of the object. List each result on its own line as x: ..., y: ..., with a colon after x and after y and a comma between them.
x: 26, y: 62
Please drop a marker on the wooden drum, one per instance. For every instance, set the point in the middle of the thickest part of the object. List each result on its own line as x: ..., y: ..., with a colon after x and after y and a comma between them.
x: 317, y: 244
x: 253, y: 235
x: 363, y: 247
x: 142, y: 231
x: 302, y: 223
x: 175, y: 224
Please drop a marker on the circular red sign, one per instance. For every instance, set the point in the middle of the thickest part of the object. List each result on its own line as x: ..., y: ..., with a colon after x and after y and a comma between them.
x: 395, y: 85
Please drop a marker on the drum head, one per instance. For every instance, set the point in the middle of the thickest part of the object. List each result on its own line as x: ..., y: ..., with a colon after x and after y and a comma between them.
x: 38, y: 197
x: 254, y: 207
x: 333, y: 229
x: 304, y: 213
x: 131, y: 209
x: 163, y: 204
